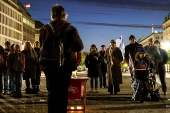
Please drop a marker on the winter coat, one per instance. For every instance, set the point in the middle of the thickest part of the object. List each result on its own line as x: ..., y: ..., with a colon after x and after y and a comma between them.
x: 130, y: 51
x: 103, y: 64
x: 16, y: 62
x: 30, y: 65
x: 114, y: 72
x: 154, y: 53
x: 164, y: 56
x: 72, y: 42
x: 93, y: 65
x: 2, y: 57
x: 142, y: 63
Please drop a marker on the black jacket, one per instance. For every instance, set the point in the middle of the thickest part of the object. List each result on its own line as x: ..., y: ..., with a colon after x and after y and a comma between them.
x: 131, y: 50
x: 2, y: 53
x: 164, y: 55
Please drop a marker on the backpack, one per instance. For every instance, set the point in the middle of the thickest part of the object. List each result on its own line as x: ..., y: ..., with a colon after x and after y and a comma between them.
x: 52, y: 50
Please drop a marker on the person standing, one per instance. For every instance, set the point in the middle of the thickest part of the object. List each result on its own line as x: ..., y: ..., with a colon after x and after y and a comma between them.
x: 6, y: 76
x: 16, y: 64
x: 130, y: 51
x: 92, y: 62
x: 2, y: 63
x: 154, y: 53
x: 103, y: 67
x: 58, y: 78
x: 31, y: 60
x: 38, y: 70
x: 113, y: 59
x: 161, y: 66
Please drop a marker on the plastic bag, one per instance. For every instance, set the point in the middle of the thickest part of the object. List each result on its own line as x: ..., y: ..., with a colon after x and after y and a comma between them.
x: 153, y: 83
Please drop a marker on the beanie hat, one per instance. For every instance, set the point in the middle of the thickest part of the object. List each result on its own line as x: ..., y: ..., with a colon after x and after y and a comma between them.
x: 131, y: 36
x: 142, y: 50
x: 6, y: 43
x: 112, y: 41
x: 103, y: 46
x: 156, y: 41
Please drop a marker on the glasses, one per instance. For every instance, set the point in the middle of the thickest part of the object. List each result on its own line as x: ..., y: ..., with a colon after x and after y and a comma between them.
x: 132, y: 39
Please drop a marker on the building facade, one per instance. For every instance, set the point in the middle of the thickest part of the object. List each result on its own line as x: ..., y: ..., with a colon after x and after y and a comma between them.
x: 166, y: 28
x: 38, y: 26
x: 16, y: 24
x: 154, y: 36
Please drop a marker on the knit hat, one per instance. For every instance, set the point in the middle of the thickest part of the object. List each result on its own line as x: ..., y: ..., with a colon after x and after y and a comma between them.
x: 142, y: 50
x: 112, y: 41
x: 103, y: 46
x: 156, y: 42
x: 131, y: 36
x: 6, y: 43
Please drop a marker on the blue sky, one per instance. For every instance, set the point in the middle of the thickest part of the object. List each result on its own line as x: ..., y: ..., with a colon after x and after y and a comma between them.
x: 99, y: 21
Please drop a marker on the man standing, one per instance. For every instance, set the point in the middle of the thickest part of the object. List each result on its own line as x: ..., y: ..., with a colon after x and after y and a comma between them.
x: 58, y: 78
x: 103, y: 67
x: 130, y: 51
x: 2, y: 54
x: 161, y: 66
x: 6, y: 76
x: 38, y: 71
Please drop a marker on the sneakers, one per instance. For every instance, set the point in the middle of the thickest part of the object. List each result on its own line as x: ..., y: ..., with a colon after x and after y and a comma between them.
x: 91, y: 90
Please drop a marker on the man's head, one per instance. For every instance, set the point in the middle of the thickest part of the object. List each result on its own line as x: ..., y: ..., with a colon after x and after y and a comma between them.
x: 132, y: 39
x: 103, y: 47
x: 113, y: 43
x: 7, y: 44
x: 150, y: 42
x: 36, y: 44
x: 157, y: 43
x: 93, y: 47
x: 58, y: 12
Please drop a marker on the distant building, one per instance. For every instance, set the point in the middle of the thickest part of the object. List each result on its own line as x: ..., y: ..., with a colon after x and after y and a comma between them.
x: 16, y: 24
x: 38, y: 26
x: 155, y: 36
x: 166, y: 28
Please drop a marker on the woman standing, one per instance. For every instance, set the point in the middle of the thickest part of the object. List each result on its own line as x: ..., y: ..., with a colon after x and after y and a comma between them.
x: 92, y: 62
x: 16, y: 65
x: 31, y: 60
x: 113, y: 59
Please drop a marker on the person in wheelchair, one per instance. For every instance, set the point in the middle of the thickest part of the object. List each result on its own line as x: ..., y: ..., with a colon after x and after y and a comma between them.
x: 142, y: 67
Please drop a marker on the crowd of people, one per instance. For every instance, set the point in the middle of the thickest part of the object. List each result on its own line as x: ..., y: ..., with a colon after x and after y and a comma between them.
x: 18, y: 65
x: 107, y: 62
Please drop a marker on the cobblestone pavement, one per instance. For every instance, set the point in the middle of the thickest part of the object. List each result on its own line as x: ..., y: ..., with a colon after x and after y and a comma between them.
x: 101, y: 102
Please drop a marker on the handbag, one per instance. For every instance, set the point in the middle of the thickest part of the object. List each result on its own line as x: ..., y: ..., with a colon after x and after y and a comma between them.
x: 153, y: 83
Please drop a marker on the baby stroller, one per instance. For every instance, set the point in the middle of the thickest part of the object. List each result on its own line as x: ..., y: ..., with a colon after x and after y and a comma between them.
x: 146, y: 84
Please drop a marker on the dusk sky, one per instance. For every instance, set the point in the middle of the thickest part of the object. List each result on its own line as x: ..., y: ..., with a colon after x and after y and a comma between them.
x: 99, y: 21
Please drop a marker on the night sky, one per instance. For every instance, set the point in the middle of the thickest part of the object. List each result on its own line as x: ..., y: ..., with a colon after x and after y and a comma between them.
x: 99, y: 21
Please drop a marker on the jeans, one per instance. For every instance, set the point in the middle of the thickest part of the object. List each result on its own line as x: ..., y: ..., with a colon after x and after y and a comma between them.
x: 16, y: 80
x: 57, y: 81
x: 96, y: 82
x: 7, y: 82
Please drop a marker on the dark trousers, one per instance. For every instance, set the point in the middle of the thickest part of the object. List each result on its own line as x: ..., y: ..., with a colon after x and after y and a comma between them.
x: 57, y: 81
x: 162, y: 77
x: 114, y: 88
x: 1, y: 86
x: 38, y: 75
x: 103, y: 80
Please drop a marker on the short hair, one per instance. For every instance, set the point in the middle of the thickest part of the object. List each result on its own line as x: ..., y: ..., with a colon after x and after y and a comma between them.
x: 57, y: 11
x: 36, y: 42
x: 150, y: 40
